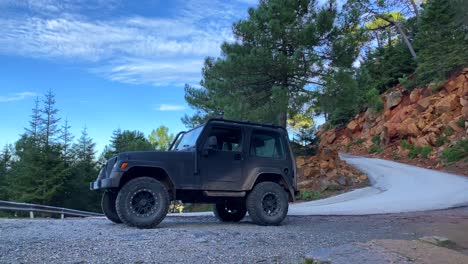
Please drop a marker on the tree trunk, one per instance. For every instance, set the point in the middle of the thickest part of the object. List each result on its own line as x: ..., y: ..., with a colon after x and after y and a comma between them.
x: 405, y: 38
x: 283, y: 119
x: 415, y: 8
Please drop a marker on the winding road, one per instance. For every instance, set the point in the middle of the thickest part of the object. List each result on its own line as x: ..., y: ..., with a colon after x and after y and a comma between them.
x: 395, y: 188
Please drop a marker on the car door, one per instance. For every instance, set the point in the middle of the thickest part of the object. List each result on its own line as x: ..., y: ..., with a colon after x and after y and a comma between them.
x: 221, y: 159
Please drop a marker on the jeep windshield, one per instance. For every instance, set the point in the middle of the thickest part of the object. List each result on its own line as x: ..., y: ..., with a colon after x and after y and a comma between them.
x: 187, y: 140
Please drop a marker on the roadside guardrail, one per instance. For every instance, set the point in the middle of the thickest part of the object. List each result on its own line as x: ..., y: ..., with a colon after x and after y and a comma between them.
x: 32, y: 208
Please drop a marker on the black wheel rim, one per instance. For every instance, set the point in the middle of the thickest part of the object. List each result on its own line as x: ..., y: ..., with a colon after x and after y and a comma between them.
x: 270, y: 204
x: 143, y: 202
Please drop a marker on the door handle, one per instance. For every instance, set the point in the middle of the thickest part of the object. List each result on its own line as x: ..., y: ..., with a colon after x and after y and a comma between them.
x: 237, y: 156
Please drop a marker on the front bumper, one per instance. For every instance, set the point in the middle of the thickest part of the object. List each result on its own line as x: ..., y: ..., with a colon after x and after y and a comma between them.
x: 104, y: 183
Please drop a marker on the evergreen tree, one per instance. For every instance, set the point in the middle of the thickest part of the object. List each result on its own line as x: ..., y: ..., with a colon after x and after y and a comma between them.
x: 34, y: 123
x: 40, y: 172
x: 280, y: 48
x: 49, y: 120
x: 84, y: 170
x: 66, y: 140
x: 5, y: 168
x: 126, y: 141
x: 441, y: 39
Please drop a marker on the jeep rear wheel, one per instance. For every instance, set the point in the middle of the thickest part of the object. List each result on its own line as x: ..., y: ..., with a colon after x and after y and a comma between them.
x: 267, y: 204
x: 142, y: 202
x: 108, y: 206
x: 230, y: 211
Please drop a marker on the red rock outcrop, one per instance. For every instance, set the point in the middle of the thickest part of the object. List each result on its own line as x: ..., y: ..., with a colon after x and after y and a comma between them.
x: 423, y: 117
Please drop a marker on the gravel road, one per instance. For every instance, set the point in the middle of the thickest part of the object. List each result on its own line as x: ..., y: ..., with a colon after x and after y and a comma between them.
x: 202, y: 239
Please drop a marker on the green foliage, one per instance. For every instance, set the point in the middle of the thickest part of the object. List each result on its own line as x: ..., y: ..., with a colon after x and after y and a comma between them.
x: 376, y: 139
x: 160, y: 138
x: 281, y: 47
x: 307, y: 195
x: 339, y: 98
x: 414, y: 151
x: 126, y: 141
x: 456, y: 152
x: 418, y: 151
x: 425, y: 151
x: 46, y: 166
x: 404, y: 144
x: 375, y: 149
x: 440, y: 141
x: 374, y: 101
x: 441, y: 40
x: 448, y: 131
x: 461, y: 122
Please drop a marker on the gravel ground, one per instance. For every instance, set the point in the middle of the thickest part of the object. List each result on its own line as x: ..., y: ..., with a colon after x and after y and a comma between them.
x: 204, y: 240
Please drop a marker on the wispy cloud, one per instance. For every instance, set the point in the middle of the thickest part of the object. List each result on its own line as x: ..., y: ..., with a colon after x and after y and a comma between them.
x: 16, y: 96
x: 170, y: 107
x: 131, y: 48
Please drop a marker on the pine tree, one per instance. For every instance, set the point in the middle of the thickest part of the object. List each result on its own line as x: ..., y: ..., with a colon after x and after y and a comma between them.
x: 49, y: 119
x: 40, y: 172
x: 441, y: 40
x: 66, y: 141
x: 34, y: 129
x: 84, y: 170
x: 5, y: 168
x: 280, y: 48
x: 126, y: 140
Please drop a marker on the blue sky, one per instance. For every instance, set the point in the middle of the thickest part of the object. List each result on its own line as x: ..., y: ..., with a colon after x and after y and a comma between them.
x: 111, y: 63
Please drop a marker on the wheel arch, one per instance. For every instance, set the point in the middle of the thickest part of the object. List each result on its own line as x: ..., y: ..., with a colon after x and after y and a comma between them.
x: 277, y: 178
x: 154, y: 172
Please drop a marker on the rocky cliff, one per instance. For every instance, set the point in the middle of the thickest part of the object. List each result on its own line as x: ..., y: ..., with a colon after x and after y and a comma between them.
x: 415, y: 126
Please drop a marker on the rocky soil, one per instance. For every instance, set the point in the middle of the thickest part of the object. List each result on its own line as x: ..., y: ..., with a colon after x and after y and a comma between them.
x: 327, y: 173
x: 434, y: 117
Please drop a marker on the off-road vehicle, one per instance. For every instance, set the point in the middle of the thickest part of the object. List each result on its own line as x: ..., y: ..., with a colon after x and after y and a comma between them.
x: 238, y: 166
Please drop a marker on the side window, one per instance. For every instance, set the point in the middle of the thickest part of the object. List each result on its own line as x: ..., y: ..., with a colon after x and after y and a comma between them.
x: 224, y: 139
x: 266, y: 144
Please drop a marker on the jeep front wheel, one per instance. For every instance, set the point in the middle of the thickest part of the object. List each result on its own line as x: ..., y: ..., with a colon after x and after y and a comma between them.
x: 142, y: 202
x: 108, y: 206
x: 267, y: 204
x: 230, y: 211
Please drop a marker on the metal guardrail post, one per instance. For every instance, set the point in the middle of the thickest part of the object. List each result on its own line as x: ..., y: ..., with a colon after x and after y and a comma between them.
x: 31, y: 214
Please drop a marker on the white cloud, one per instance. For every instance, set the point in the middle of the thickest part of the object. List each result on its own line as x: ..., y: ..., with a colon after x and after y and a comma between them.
x: 131, y: 48
x: 170, y: 107
x: 16, y: 96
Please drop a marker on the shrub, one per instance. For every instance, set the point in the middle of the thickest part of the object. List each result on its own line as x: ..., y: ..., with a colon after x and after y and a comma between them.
x: 456, y: 152
x: 461, y: 122
x: 374, y: 100
x: 425, y: 151
x: 440, y: 141
x: 375, y: 149
x: 414, y: 152
x: 359, y: 141
x: 404, y: 144
x: 448, y: 131
x: 309, y: 195
x: 376, y: 139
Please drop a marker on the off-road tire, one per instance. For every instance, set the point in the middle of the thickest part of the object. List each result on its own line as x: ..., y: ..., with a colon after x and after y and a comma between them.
x: 267, y: 204
x: 230, y: 211
x: 133, y: 211
x: 108, y: 206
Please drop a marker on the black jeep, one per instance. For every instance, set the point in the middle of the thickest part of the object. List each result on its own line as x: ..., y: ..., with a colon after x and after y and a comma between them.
x: 238, y: 166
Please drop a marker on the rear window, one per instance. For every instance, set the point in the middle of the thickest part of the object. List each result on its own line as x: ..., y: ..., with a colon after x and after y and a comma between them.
x: 266, y: 144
